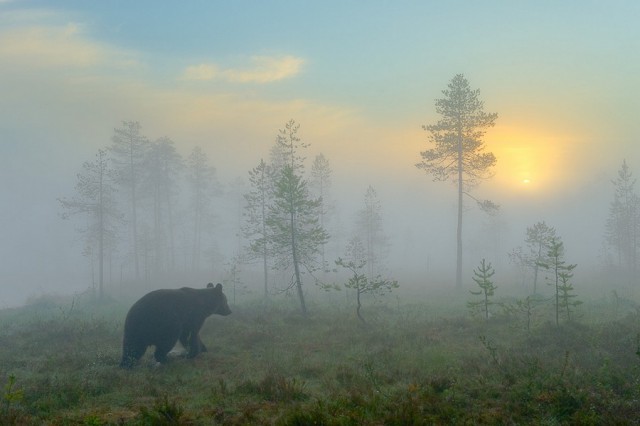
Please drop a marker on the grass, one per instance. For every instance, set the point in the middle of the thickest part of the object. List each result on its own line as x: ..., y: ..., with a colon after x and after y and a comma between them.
x: 268, y: 365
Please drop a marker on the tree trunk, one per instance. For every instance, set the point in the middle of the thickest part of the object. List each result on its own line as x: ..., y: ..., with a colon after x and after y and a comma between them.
x: 535, y: 269
x: 134, y: 218
x: 557, y: 295
x: 296, y: 266
x: 486, y: 306
x: 358, y: 292
x: 264, y: 247
x: 265, y: 270
x: 172, y: 242
x: 101, y: 236
x: 459, y: 233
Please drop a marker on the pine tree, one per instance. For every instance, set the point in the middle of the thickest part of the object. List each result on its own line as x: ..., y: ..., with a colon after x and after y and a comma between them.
x: 623, y: 224
x: 458, y: 154
x: 162, y: 168
x: 561, y: 273
x: 287, y: 149
x: 96, y: 198
x: 203, y: 184
x: 255, y: 228
x: 293, y: 225
x: 321, y: 181
x: 566, y: 297
x: 129, y: 150
x: 482, y: 276
x: 538, y: 240
x: 371, y: 231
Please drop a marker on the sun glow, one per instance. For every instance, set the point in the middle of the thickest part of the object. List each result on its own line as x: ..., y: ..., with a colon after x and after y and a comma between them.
x: 527, y: 160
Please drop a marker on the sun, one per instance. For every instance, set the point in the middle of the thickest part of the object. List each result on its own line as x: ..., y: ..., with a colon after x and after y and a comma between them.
x: 526, y: 181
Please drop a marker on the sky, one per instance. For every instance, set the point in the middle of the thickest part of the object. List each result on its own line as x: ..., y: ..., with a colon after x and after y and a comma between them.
x: 360, y: 78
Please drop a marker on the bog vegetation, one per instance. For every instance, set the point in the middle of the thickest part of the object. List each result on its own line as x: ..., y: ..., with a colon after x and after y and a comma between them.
x: 413, y: 362
x: 549, y: 354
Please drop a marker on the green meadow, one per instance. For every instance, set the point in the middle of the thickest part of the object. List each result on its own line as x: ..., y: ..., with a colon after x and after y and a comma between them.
x: 414, y: 362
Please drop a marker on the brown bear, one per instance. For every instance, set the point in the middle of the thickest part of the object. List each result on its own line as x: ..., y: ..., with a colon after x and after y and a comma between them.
x: 162, y: 317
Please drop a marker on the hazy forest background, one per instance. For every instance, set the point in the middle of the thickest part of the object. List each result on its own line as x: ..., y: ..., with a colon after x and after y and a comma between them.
x: 148, y: 216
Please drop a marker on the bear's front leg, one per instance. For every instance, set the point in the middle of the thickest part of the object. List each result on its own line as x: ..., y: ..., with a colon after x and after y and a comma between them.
x: 166, y: 342
x: 195, y: 345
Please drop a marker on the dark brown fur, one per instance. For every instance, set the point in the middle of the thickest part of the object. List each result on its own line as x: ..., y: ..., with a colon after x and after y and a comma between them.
x: 162, y: 317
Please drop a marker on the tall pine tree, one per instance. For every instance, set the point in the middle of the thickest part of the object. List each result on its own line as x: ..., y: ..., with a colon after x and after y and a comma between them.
x: 459, y: 154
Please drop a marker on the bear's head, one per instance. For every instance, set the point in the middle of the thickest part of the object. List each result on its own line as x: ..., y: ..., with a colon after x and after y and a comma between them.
x: 217, y: 300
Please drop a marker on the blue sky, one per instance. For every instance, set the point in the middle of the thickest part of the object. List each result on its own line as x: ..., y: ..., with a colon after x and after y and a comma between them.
x: 551, y: 70
x: 360, y: 77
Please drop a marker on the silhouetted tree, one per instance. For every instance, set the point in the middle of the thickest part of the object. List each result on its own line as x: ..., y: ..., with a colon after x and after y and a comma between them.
x: 294, y: 229
x: 203, y: 184
x: 163, y: 166
x: 561, y: 273
x: 287, y: 149
x: 95, y: 197
x: 539, y: 241
x: 129, y: 149
x: 482, y: 276
x: 321, y: 181
x: 458, y: 154
x: 623, y: 224
x: 370, y: 230
x: 255, y: 228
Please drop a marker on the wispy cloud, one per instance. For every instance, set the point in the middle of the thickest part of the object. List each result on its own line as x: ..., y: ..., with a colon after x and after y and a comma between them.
x: 58, y: 46
x: 262, y: 69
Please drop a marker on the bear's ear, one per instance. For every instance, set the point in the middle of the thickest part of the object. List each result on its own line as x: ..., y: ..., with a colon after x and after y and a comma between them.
x: 219, y: 287
x: 210, y: 285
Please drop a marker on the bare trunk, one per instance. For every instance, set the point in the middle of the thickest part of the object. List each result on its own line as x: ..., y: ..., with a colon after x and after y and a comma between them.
x: 459, y: 233
x: 171, y: 233
x: 264, y: 247
x: 486, y: 306
x: 134, y: 218
x: 296, y: 266
x: 557, y: 295
x: 358, y: 292
x: 101, y: 237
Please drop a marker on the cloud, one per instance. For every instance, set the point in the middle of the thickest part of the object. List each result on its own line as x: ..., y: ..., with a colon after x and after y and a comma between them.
x: 62, y: 46
x: 263, y: 69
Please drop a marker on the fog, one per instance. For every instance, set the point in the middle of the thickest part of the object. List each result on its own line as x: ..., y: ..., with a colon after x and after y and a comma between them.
x: 42, y: 253
x: 566, y: 121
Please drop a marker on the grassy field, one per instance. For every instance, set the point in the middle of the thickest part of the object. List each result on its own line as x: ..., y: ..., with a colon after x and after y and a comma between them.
x: 416, y: 363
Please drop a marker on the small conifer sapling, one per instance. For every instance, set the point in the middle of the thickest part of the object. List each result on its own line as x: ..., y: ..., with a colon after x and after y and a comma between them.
x: 482, y: 276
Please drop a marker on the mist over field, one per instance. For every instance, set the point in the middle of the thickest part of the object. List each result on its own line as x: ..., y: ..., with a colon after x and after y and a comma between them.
x: 360, y: 90
x: 408, y: 213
